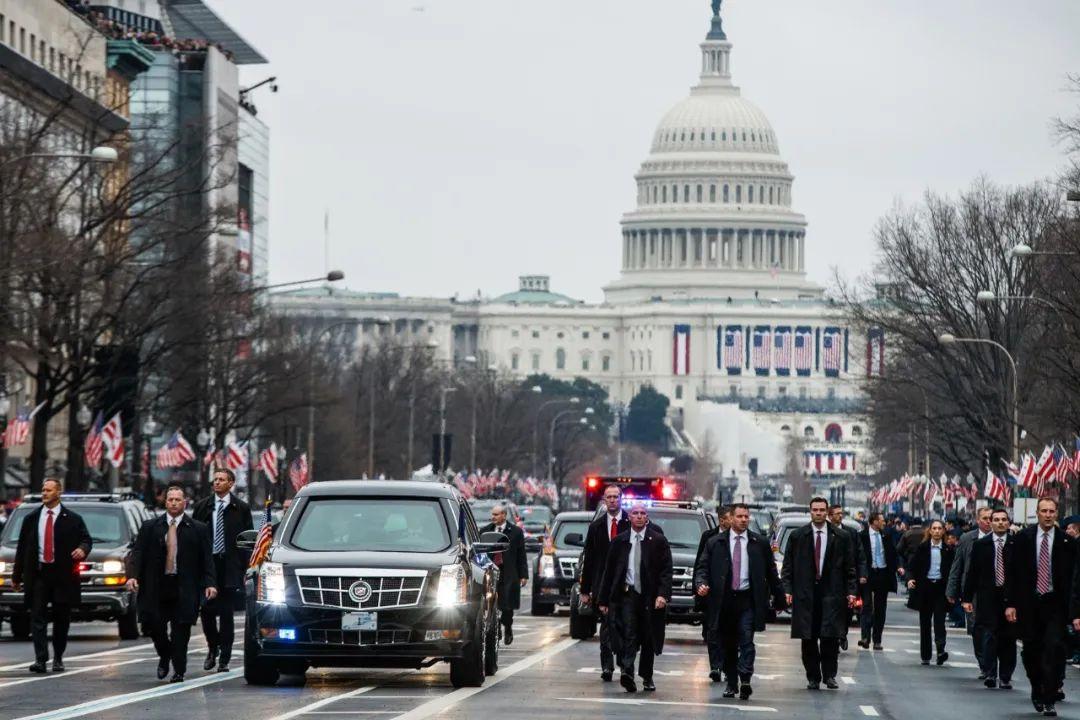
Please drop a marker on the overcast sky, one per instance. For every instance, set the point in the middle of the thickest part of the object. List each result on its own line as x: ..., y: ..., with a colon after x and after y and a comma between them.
x: 460, y: 143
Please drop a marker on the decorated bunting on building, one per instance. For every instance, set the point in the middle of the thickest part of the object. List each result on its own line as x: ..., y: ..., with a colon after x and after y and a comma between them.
x: 782, y: 338
x: 803, y: 349
x: 875, y: 352
x: 823, y: 462
x: 681, y: 351
x: 733, y: 349
x: 759, y: 356
x: 832, y: 351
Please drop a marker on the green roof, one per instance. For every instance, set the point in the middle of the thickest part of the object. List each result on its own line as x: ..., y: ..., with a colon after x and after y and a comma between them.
x: 328, y: 291
x: 535, y: 297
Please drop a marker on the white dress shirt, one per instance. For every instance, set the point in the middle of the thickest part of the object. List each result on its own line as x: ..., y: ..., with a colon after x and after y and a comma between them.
x: 934, y: 573
x: 1038, y: 544
x: 41, y: 530
x: 635, y: 537
x: 877, y: 550
x: 824, y: 530
x: 744, y: 567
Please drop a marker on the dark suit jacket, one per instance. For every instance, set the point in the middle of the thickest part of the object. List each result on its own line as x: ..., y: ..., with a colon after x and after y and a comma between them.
x: 194, y: 566
x: 920, y: 567
x: 69, y: 533
x: 714, y: 568
x: 979, y: 580
x: 701, y: 603
x: 514, y: 568
x: 838, y: 581
x: 656, y: 571
x: 237, y: 519
x: 887, y: 579
x: 594, y: 557
x: 1021, y: 576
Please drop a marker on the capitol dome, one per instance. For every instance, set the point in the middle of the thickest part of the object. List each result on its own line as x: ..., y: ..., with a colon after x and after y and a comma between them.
x: 714, y: 218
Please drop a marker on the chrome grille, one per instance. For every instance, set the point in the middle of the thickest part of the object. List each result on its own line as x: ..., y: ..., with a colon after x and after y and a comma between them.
x: 359, y: 637
x: 389, y: 588
x: 682, y: 580
x: 568, y: 566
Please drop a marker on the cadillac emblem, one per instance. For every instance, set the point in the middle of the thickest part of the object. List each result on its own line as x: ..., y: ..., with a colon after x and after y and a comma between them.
x: 360, y: 591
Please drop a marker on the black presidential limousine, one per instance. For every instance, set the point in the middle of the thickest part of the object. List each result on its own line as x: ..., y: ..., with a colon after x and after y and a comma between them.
x: 374, y: 574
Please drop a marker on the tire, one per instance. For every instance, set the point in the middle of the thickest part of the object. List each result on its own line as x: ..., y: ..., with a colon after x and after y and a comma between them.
x: 468, y: 670
x: 256, y: 670
x: 20, y: 626
x: 491, y: 653
x: 541, y: 609
x: 128, y: 623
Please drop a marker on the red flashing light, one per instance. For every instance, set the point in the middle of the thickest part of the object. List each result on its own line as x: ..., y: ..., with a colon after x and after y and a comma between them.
x: 592, y: 483
x: 668, y: 491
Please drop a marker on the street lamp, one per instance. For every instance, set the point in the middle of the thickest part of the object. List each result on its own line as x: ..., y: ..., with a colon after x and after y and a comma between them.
x: 551, y: 435
x: 536, y: 423
x: 1023, y: 250
x: 83, y: 417
x: 101, y: 154
x: 380, y: 322
x: 985, y: 297
x: 950, y: 339
x: 332, y: 276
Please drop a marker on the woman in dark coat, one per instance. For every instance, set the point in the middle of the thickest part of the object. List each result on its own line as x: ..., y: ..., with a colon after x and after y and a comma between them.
x: 927, y: 575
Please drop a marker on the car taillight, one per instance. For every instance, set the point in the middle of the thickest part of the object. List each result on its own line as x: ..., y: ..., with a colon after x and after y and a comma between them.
x: 85, y: 567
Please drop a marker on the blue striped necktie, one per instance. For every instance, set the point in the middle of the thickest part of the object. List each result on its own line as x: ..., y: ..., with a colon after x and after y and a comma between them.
x: 219, y: 528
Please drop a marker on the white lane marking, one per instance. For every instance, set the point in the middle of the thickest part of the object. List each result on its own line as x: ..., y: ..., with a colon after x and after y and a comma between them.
x: 115, y: 651
x: 847, y: 679
x: 963, y: 664
x: 58, y: 676
x: 868, y: 710
x: 114, y: 701
x: 323, y: 703
x: 438, y: 705
x: 626, y: 701
x: 352, y: 712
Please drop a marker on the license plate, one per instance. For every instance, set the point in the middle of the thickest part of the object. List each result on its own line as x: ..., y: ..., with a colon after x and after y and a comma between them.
x: 360, y: 621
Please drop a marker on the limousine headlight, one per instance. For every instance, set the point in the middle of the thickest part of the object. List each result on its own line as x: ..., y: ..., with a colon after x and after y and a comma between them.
x: 547, y: 566
x: 271, y: 583
x: 452, y: 586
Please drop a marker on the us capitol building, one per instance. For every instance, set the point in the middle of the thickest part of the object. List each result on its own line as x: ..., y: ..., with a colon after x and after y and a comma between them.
x: 711, y: 306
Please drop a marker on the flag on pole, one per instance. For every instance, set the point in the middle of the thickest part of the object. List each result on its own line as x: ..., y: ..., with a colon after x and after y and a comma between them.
x: 93, y: 446
x: 175, y: 453
x: 298, y: 472
x: 268, y: 462
x: 1029, y: 478
x: 1044, y: 467
x: 112, y: 434
x: 996, y: 489
x: 237, y: 456
x: 209, y: 456
x: 18, y: 430
x: 262, y: 540
x: 1062, y: 466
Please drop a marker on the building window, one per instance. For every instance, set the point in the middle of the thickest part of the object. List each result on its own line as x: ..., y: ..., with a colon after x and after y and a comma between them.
x: 782, y: 391
x: 802, y: 393
x: 831, y: 393
x: 712, y: 193
x: 605, y: 363
x: 559, y: 335
x: 785, y: 429
x: 833, y: 433
x: 856, y: 431
x: 750, y: 194
x: 733, y: 391
x: 606, y: 336
x: 650, y: 359
x: 536, y: 361
x: 663, y: 194
x: 514, y: 361
x: 514, y: 333
x: 808, y: 431
x: 678, y: 392
x: 686, y: 194
x: 536, y: 333
x: 585, y: 335
x: 738, y: 193
x: 700, y: 194
x: 761, y: 392
x: 771, y: 196
x: 585, y: 364
x: 560, y: 359
x: 727, y: 194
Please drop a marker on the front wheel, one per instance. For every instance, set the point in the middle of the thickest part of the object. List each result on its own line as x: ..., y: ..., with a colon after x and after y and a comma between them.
x: 256, y: 670
x: 468, y: 670
x: 491, y: 652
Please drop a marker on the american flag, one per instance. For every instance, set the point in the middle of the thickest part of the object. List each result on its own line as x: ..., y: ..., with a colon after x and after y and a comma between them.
x: 996, y: 489
x: 733, y: 349
x: 18, y: 430
x: 112, y: 434
x: 262, y: 540
x: 175, y: 453
x: 1012, y: 473
x: 804, y: 350
x: 268, y: 460
x: 930, y: 493
x: 831, y: 348
x: 209, y: 456
x: 1076, y: 456
x: 1062, y: 465
x: 760, y: 353
x: 93, y: 447
x: 237, y: 456
x: 782, y: 351
x: 298, y: 472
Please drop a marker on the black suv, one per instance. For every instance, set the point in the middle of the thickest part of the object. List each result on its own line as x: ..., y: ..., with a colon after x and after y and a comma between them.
x: 374, y: 574
x: 555, y: 571
x: 113, y: 522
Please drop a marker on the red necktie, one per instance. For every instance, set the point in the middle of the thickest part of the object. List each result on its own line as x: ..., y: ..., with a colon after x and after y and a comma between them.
x: 817, y: 555
x: 48, y: 550
x: 614, y: 528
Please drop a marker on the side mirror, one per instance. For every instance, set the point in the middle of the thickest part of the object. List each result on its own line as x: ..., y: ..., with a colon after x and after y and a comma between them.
x: 492, y: 542
x: 246, y: 540
x: 574, y: 540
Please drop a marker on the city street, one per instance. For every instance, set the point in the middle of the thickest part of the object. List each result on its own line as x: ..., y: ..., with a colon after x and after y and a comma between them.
x: 544, y: 674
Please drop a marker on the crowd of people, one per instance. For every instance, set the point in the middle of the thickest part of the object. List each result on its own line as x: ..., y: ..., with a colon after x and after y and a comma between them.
x: 119, y: 31
x: 1010, y: 585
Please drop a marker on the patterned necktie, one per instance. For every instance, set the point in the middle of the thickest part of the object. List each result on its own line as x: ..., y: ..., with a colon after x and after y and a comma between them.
x: 219, y: 528
x: 999, y: 562
x: 736, y: 564
x: 170, y: 549
x: 614, y: 528
x: 1042, y: 585
x: 817, y: 555
x: 47, y: 551
x: 635, y: 561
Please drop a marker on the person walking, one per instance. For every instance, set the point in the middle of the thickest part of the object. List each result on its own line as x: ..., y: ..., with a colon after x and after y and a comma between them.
x: 883, y: 563
x: 955, y: 587
x: 736, y: 574
x: 53, y: 541
x: 172, y: 570
x: 513, y: 569
x: 598, y: 539
x: 984, y: 596
x: 635, y: 591
x: 716, y: 657
x: 227, y: 516
x: 1038, y: 590
x: 836, y: 519
x: 927, y: 576
x: 819, y: 581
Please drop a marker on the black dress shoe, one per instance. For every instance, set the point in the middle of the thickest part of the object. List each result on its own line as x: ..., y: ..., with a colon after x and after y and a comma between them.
x: 983, y: 676
x: 177, y: 677
x: 211, y: 660
x: 648, y: 685
x: 1037, y: 705
x: 990, y: 683
x: 627, y: 681
x: 1060, y: 697
x: 162, y: 669
x: 843, y: 644
x: 831, y: 683
x: 879, y: 646
x: 508, y: 635
x: 745, y: 691
x: 730, y: 691
x: 38, y: 667
x: 58, y: 665
x: 942, y: 657
x: 1049, y: 710
x: 606, y: 675
x: 715, y: 676
x: 223, y: 667
x: 865, y: 644
x: 1005, y: 685
x: 813, y: 685
x: 925, y: 662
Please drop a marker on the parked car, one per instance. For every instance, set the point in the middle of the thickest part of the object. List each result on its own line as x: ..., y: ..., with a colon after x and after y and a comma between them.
x: 536, y: 522
x: 555, y: 571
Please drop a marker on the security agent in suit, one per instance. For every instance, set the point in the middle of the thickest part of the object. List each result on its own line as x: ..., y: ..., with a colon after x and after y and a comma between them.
x: 1038, y: 589
x: 513, y: 568
x: 737, y: 575
x: 955, y: 587
x: 227, y: 516
x: 172, y: 569
x: 984, y: 596
x: 52, y: 542
x: 836, y: 518
x: 716, y: 655
x: 635, y: 591
x: 882, y: 562
x: 598, y: 539
x: 819, y: 581
x: 927, y: 576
